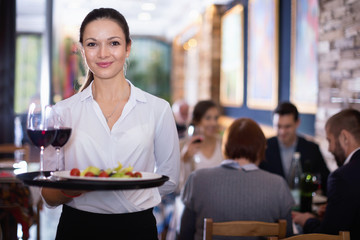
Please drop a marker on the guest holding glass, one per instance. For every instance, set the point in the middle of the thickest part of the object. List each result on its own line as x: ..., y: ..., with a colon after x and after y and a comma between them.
x: 113, y: 121
x: 200, y: 149
x: 342, y: 210
x: 237, y: 189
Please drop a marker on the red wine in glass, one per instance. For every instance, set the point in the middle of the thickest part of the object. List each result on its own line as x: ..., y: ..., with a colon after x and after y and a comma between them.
x: 62, y: 136
x: 41, y: 131
x: 197, y: 141
x: 63, y: 132
x: 41, y: 138
x: 195, y: 131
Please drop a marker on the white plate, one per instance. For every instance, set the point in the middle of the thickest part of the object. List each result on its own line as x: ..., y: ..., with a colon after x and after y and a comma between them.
x: 145, y: 176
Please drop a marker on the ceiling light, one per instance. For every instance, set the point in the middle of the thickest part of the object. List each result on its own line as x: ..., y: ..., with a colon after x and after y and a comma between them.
x: 148, y: 6
x: 144, y: 16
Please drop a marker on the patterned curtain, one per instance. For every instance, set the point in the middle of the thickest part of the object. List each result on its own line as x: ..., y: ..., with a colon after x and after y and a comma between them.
x: 7, y: 69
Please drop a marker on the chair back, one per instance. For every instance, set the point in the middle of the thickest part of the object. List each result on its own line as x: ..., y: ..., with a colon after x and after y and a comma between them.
x: 12, y: 148
x: 243, y: 229
x: 343, y: 235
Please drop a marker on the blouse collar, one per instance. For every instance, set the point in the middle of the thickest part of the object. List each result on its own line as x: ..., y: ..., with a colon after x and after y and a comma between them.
x: 234, y: 164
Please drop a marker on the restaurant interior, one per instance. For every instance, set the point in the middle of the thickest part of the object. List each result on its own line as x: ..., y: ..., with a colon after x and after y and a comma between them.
x: 245, y: 55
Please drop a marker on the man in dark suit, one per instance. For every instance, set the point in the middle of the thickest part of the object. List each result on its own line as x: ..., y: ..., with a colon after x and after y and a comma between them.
x: 342, y: 212
x: 281, y: 148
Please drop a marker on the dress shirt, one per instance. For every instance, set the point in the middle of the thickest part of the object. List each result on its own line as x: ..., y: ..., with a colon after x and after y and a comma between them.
x: 144, y: 137
x: 234, y: 164
x: 350, y: 156
x: 287, y: 154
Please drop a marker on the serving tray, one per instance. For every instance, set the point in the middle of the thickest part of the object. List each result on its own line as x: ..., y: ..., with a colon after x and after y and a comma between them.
x: 81, y: 184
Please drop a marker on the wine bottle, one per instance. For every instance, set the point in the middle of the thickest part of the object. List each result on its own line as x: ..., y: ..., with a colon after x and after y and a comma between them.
x: 308, y: 186
x: 294, y: 178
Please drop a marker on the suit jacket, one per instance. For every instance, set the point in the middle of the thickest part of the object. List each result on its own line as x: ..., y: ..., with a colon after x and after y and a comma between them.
x: 308, y: 150
x: 343, y: 208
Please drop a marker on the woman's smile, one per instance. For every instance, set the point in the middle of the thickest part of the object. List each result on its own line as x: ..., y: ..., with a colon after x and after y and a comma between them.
x: 104, y: 64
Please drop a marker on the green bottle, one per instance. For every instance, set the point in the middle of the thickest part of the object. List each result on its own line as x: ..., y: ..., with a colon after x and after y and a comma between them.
x: 308, y: 186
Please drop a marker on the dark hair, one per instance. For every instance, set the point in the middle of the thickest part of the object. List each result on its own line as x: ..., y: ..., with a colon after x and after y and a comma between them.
x: 200, y: 109
x: 103, y: 13
x: 285, y: 108
x: 244, y: 139
x: 348, y: 119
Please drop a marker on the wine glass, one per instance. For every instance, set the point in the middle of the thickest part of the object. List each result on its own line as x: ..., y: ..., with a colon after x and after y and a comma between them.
x: 195, y: 135
x: 195, y: 131
x: 63, y: 132
x: 41, y: 131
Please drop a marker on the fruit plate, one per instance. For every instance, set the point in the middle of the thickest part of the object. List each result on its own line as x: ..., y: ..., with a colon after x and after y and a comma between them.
x: 145, y: 176
x: 97, y: 184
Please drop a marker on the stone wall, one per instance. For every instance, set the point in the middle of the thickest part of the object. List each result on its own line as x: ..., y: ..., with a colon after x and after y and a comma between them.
x: 339, y: 63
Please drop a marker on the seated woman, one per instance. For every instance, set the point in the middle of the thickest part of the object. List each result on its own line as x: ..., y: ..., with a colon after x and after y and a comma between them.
x: 203, y: 148
x: 237, y: 189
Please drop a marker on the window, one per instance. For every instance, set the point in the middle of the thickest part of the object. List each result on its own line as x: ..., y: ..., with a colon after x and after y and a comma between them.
x: 149, y: 66
x: 27, y: 70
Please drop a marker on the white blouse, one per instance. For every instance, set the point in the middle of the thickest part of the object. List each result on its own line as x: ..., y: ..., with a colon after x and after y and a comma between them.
x: 144, y: 137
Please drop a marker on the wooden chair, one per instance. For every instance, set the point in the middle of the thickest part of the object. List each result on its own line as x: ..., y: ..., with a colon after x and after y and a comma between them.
x: 243, y: 229
x: 25, y: 150
x: 343, y: 235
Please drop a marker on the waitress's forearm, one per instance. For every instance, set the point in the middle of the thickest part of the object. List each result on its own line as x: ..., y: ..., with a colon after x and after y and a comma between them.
x: 56, y: 197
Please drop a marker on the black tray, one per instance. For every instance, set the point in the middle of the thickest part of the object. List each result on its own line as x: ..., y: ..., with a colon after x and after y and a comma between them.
x: 28, y: 179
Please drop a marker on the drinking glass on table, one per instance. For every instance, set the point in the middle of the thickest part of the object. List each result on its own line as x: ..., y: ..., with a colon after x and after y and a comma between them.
x: 41, y: 131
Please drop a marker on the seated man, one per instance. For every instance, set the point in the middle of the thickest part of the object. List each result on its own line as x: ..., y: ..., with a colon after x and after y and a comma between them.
x: 281, y: 148
x: 342, y: 211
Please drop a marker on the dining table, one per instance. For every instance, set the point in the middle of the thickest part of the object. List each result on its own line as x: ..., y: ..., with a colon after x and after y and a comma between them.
x: 17, y: 200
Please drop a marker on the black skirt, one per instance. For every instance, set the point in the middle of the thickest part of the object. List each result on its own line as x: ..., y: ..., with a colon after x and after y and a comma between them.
x: 77, y: 224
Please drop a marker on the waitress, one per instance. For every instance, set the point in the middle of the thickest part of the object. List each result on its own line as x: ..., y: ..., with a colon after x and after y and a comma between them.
x: 113, y: 121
